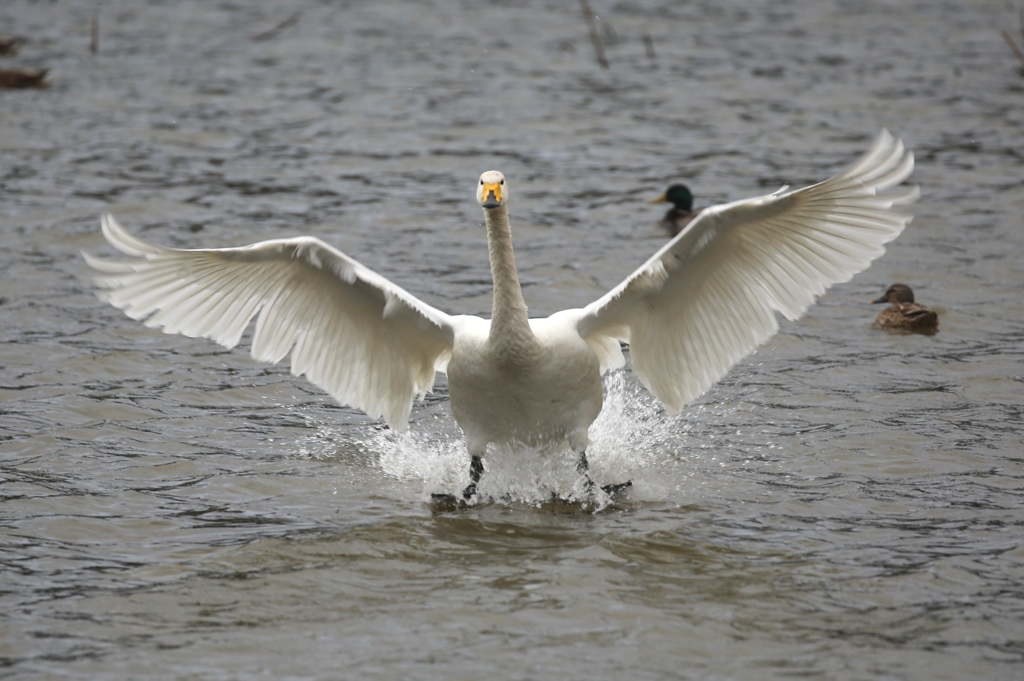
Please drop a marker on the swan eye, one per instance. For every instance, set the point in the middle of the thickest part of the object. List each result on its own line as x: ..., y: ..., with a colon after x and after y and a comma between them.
x: 502, y: 181
x: 481, y: 181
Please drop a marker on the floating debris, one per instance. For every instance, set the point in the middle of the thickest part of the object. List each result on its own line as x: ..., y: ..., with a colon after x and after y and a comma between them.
x: 270, y: 33
x: 1013, y: 43
x: 595, y: 37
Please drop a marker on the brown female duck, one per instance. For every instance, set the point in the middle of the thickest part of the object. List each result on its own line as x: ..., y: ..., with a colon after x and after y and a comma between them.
x: 23, y: 78
x: 903, y: 313
x: 681, y: 212
x: 9, y: 45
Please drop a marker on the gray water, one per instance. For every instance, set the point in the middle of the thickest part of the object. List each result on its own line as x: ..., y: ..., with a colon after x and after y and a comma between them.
x: 848, y: 504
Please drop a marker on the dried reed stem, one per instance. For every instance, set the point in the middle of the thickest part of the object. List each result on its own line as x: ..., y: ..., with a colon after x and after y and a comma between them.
x: 595, y: 37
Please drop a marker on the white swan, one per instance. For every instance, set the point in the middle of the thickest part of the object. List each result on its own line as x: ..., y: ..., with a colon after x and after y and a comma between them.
x: 699, y: 305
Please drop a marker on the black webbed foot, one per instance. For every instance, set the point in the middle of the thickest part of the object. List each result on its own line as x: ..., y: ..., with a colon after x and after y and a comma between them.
x: 583, y: 467
x: 616, y: 489
x: 476, y: 470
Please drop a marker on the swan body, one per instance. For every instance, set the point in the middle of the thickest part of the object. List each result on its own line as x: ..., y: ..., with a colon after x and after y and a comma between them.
x: 552, y: 394
x: 700, y: 304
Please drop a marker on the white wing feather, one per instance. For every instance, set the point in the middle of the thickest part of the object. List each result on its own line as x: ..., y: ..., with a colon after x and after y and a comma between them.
x: 709, y: 297
x: 364, y: 340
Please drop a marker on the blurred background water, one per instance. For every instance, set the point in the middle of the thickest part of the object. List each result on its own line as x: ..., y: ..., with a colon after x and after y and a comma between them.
x: 846, y: 505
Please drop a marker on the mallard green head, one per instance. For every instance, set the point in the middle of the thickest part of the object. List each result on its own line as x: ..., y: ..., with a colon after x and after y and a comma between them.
x: 678, y: 195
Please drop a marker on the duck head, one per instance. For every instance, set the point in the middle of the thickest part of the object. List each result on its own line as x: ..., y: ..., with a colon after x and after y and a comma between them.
x: 897, y: 293
x: 678, y: 195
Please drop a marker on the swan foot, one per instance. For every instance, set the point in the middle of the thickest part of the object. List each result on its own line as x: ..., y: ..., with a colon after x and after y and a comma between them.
x: 446, y: 501
x: 617, y: 488
x: 583, y: 466
x: 613, y: 490
x: 476, y: 470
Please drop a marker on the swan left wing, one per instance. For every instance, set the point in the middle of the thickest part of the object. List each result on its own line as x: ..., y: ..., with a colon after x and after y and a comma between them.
x: 364, y: 340
x: 708, y: 298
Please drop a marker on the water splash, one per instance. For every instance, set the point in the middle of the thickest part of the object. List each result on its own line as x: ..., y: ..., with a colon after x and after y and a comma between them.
x: 634, y: 439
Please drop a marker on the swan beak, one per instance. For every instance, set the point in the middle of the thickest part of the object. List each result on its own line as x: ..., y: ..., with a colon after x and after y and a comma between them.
x: 661, y: 199
x: 492, y: 194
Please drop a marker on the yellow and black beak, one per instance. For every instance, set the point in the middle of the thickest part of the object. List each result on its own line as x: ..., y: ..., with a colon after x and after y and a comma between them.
x: 492, y: 194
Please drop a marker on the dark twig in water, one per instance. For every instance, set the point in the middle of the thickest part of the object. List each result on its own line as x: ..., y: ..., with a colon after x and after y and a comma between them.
x: 595, y: 37
x: 1015, y: 47
x: 1012, y: 43
x: 267, y: 35
x: 649, y: 47
x: 94, y: 44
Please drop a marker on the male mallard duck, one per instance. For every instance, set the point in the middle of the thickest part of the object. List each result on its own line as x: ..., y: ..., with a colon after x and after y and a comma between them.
x: 681, y: 212
x: 903, y: 313
x: 698, y: 306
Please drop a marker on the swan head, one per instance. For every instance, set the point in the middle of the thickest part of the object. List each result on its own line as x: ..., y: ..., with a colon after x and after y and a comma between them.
x: 492, y: 191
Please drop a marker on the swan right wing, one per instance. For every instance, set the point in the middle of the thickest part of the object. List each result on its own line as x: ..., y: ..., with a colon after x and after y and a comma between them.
x: 708, y: 298
x: 364, y: 340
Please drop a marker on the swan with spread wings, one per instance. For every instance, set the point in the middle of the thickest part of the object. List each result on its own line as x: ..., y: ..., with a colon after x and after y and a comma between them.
x: 700, y: 304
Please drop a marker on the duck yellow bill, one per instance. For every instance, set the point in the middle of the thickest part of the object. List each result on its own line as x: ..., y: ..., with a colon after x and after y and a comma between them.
x: 661, y: 199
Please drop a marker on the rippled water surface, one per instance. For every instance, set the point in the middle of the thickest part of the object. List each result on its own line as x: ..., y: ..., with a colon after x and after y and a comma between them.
x: 846, y: 505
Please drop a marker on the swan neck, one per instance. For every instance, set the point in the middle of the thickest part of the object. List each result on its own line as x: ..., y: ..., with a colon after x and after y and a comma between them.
x: 509, y: 320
